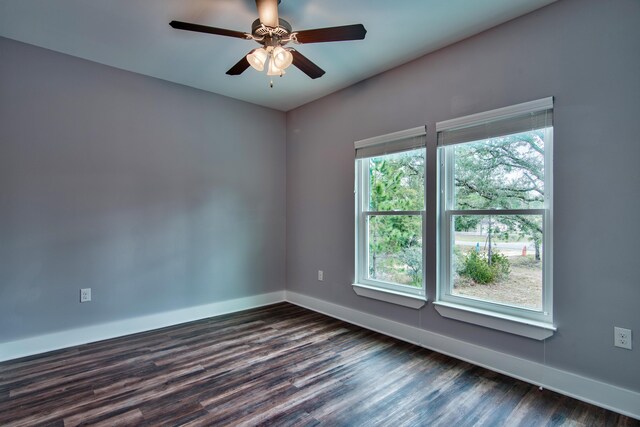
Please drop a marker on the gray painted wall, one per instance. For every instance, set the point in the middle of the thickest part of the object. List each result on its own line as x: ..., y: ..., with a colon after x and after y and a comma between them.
x: 155, y: 195
x: 583, y: 52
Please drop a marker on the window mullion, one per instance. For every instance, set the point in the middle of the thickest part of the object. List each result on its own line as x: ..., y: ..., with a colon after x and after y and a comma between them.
x: 496, y: 212
x: 392, y: 213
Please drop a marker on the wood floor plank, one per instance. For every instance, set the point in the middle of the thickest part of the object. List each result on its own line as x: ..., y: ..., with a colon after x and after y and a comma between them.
x: 132, y: 417
x: 169, y: 411
x: 277, y: 365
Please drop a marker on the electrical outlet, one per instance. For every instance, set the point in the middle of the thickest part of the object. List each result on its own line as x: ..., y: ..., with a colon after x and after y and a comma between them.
x: 622, y: 337
x: 85, y: 295
x: 320, y: 275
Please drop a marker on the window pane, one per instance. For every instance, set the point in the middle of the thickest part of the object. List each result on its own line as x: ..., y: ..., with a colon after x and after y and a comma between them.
x: 395, y: 249
x: 500, y: 173
x: 498, y: 258
x: 396, y: 181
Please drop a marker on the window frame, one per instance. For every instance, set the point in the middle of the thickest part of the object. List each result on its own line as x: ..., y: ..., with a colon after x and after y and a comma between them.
x: 446, y: 301
x: 406, y: 295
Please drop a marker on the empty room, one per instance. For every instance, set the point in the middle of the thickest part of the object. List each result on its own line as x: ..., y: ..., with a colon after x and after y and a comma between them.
x: 306, y: 212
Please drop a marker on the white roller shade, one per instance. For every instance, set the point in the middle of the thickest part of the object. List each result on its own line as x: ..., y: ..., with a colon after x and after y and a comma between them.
x: 503, y: 121
x: 405, y: 140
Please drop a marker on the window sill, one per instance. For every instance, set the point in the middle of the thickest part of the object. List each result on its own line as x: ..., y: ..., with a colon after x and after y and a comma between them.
x: 393, y: 297
x: 502, y: 322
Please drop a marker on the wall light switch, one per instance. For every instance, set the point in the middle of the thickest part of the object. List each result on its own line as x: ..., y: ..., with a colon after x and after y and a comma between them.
x: 320, y: 275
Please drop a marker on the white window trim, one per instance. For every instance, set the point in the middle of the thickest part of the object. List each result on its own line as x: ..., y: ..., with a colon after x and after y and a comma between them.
x: 491, y: 319
x: 403, y: 295
x: 520, y: 321
x: 388, y: 295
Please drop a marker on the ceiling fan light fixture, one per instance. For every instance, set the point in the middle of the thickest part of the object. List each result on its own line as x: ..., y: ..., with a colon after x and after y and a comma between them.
x: 257, y: 58
x: 282, y: 57
x: 274, y: 70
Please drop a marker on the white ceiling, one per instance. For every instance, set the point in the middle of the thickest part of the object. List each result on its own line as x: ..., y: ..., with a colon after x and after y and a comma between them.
x: 135, y: 35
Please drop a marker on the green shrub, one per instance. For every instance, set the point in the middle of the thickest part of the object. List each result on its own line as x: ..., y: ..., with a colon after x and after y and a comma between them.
x: 475, y: 266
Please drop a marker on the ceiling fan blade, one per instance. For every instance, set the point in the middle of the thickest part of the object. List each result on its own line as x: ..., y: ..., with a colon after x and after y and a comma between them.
x: 268, y: 12
x: 239, y: 68
x: 179, y: 25
x: 332, y: 34
x: 306, y: 66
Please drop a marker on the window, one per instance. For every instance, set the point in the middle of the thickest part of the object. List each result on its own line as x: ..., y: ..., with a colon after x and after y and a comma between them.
x: 495, y: 216
x: 390, y: 217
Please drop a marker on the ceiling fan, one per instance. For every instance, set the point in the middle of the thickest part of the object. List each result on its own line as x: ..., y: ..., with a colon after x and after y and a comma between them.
x: 273, y: 34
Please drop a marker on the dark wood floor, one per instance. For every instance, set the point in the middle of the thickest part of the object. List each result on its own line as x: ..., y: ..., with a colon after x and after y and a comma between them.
x: 278, y: 365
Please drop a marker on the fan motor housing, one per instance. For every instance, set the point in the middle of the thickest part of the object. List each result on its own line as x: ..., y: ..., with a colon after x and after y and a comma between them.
x: 271, y: 36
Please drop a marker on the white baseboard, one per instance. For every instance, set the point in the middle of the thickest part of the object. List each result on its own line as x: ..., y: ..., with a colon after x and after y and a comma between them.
x: 72, y: 337
x: 623, y: 401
